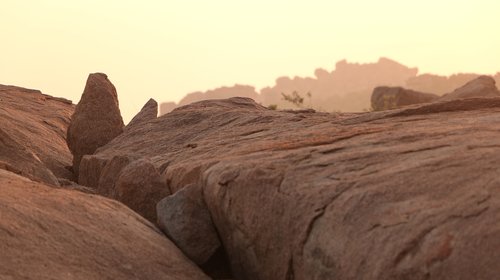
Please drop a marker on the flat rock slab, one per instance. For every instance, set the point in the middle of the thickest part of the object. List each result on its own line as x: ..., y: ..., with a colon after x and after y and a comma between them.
x: 48, y: 233
x: 33, y: 130
x: 411, y: 193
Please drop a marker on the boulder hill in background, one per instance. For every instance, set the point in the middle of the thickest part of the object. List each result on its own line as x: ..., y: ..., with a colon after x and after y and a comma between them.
x: 347, y: 88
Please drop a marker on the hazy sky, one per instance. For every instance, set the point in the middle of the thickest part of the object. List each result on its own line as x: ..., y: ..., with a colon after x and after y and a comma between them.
x: 165, y: 49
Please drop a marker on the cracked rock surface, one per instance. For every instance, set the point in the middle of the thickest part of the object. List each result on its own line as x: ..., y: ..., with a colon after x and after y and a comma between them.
x: 48, y: 233
x: 33, y: 134
x: 411, y: 193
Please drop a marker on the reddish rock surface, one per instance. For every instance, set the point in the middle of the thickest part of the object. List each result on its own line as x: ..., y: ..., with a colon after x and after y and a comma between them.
x: 185, y: 219
x: 403, y: 194
x: 140, y: 187
x: 33, y: 134
x: 46, y: 233
x: 96, y: 120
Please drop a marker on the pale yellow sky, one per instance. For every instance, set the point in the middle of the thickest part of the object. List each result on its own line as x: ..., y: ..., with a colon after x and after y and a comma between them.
x: 165, y: 49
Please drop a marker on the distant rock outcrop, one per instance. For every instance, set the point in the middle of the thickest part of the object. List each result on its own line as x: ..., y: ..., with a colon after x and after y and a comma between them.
x: 33, y: 134
x: 167, y: 107
x: 96, y: 120
x: 47, y: 233
x: 347, y: 88
x: 220, y: 93
x: 385, y: 98
x: 148, y: 112
x: 483, y: 86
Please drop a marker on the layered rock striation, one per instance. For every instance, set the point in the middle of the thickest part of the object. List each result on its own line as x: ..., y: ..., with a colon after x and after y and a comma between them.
x: 399, y: 194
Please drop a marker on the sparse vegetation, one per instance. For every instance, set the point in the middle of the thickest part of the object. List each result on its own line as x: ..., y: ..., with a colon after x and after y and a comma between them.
x: 296, y: 99
x: 273, y: 107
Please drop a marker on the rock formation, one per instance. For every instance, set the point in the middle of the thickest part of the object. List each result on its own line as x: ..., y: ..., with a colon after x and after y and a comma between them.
x: 438, y: 84
x: 48, y: 233
x: 140, y: 187
x: 408, y: 193
x: 483, y: 86
x: 33, y: 134
x: 385, y: 98
x: 346, y: 88
x: 96, y: 119
x: 399, y: 194
x: 147, y: 113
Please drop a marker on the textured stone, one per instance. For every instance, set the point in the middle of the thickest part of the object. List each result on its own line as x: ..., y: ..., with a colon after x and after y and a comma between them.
x: 96, y: 120
x: 110, y: 173
x: 410, y: 193
x: 33, y: 134
x: 140, y: 187
x: 185, y: 219
x: 48, y: 233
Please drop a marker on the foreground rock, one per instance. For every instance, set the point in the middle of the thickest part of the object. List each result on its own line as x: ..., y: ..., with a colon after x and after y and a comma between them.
x: 403, y: 194
x: 185, y: 219
x: 483, y: 86
x: 33, y: 134
x: 139, y: 186
x: 386, y: 98
x: 96, y: 120
x: 48, y: 233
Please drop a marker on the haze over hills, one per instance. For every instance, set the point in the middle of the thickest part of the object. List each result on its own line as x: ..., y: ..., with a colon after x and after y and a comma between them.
x: 347, y: 88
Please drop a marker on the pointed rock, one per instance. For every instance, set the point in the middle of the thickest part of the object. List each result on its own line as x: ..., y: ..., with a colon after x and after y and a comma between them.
x: 96, y: 120
x: 483, y: 86
x: 148, y: 112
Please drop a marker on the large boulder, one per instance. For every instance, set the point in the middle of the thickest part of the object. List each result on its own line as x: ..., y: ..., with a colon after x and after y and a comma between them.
x: 410, y: 193
x: 483, y: 86
x: 48, y: 233
x: 96, y: 120
x: 386, y: 98
x: 33, y: 134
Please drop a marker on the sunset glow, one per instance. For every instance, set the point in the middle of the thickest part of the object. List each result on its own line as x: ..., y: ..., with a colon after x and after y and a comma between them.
x: 166, y: 49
